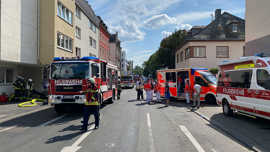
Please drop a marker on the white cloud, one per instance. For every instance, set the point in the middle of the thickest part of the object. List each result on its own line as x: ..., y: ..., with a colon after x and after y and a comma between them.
x: 159, y: 20
x: 166, y: 33
x: 127, y: 17
x: 141, y: 56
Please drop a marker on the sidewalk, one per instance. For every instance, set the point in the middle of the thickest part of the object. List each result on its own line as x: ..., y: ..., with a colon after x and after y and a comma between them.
x: 253, y: 133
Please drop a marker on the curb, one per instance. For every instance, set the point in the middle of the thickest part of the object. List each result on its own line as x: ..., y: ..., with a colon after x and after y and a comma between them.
x: 255, y: 149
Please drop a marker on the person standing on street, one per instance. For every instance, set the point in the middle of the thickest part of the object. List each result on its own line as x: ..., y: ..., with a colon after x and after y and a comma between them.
x: 196, y: 95
x: 138, y: 89
x: 91, y: 105
x: 157, y: 91
x: 147, y: 88
x: 119, y: 89
x: 187, y: 91
x: 167, y: 94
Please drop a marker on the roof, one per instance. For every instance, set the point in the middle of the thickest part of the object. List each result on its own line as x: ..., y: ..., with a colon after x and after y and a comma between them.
x: 219, y: 29
x: 88, y: 11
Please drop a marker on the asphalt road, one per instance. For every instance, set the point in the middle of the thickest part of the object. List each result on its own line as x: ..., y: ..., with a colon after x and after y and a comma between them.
x: 126, y: 126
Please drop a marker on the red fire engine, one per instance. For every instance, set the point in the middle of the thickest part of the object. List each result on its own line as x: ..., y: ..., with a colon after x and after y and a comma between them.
x: 176, y: 81
x: 68, y: 76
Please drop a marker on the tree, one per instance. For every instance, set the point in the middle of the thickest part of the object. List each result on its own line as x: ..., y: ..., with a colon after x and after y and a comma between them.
x: 164, y: 57
x: 138, y: 70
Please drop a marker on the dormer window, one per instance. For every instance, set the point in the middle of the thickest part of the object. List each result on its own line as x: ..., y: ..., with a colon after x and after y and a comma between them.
x: 234, y: 28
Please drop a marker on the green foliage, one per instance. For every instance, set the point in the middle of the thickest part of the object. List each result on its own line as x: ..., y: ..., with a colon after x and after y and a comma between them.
x: 164, y: 57
x: 214, y: 71
x: 138, y: 70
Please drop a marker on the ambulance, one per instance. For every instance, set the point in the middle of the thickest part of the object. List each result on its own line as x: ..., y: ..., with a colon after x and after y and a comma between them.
x: 244, y: 86
x: 68, y: 76
x: 176, y: 80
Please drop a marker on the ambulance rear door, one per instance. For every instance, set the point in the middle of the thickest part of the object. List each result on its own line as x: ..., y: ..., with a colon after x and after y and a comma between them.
x: 171, y: 79
x: 161, y: 80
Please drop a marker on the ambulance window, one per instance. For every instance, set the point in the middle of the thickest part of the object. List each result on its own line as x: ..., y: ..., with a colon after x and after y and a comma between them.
x: 95, y: 70
x: 239, y: 78
x: 263, y: 79
x: 220, y: 80
x: 171, y: 76
x: 200, y: 81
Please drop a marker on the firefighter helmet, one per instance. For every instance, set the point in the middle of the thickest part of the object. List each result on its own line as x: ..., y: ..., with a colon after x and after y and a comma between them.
x: 92, y: 81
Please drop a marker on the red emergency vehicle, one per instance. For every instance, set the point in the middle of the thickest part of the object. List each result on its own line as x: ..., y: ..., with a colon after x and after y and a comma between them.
x: 68, y: 76
x: 176, y: 80
x: 127, y: 81
x: 244, y: 86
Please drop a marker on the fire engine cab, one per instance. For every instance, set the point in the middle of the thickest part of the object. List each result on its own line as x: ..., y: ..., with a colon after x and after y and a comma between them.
x: 68, y: 76
x: 176, y: 80
x: 244, y: 86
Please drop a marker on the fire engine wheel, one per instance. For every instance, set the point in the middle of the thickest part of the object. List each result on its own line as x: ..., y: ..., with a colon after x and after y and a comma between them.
x: 227, y: 109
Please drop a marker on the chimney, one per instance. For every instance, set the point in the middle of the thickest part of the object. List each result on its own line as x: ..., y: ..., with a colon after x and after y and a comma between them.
x: 217, y: 13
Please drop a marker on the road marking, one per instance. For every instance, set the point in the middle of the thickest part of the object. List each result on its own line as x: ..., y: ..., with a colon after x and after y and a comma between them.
x: 151, y: 139
x: 6, y: 129
x: 23, y: 114
x: 75, y: 147
x: 51, y: 121
x: 191, y: 138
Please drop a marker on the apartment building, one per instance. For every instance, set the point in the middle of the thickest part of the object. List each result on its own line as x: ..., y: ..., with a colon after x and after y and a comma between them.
x: 104, y: 37
x: 207, y: 46
x: 115, y: 50
x: 257, y: 27
x: 57, y: 30
x: 86, y: 30
x: 19, y: 50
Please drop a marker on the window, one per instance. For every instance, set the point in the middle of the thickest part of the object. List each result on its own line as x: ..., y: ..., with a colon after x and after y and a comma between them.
x: 263, y: 79
x: 92, y: 26
x: 64, y: 41
x: 200, y: 81
x: 90, y: 41
x: 6, y: 76
x: 238, y: 79
x: 222, y: 51
x: 78, y: 12
x: 2, y: 76
x: 177, y: 58
x: 234, y: 28
x: 94, y: 43
x: 187, y: 53
x: 95, y: 70
x: 181, y: 56
x: 78, y: 32
x: 64, y: 13
x: 78, y: 52
x: 9, y: 76
x: 199, y: 52
x: 171, y: 76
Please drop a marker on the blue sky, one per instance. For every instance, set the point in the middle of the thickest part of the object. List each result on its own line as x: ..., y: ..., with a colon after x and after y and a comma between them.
x: 142, y: 24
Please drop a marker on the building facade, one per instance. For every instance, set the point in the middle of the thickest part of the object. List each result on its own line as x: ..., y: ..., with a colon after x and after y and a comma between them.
x: 223, y: 39
x: 115, y: 50
x: 257, y: 27
x: 19, y: 48
x: 86, y: 30
x: 104, y: 36
x: 57, y: 30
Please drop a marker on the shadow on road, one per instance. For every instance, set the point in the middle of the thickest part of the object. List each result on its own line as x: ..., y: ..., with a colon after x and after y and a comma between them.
x: 247, y: 131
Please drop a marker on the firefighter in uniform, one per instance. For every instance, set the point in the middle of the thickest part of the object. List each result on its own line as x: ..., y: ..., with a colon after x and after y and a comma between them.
x: 92, y: 105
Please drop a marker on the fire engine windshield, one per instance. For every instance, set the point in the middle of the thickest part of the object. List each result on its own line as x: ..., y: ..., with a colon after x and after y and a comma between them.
x: 126, y: 78
x: 70, y: 70
x: 209, y: 77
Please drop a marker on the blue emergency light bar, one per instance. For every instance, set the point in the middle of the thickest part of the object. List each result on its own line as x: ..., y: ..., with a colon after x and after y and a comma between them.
x: 89, y: 58
x: 75, y: 58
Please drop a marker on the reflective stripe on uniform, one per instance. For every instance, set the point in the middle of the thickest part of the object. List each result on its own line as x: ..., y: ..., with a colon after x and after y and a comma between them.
x: 96, y: 103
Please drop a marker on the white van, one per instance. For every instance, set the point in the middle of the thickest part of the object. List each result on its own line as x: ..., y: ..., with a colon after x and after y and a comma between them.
x: 244, y: 86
